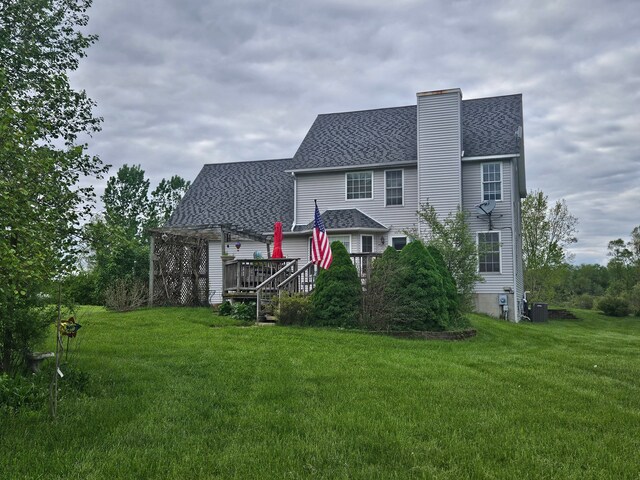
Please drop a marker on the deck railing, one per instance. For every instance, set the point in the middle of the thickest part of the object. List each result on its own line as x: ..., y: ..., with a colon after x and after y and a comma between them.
x: 363, y: 263
x: 244, y: 276
x: 263, y: 279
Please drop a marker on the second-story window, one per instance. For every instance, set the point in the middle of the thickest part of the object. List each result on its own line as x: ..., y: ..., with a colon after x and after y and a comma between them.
x: 491, y: 181
x: 359, y: 185
x: 393, y: 187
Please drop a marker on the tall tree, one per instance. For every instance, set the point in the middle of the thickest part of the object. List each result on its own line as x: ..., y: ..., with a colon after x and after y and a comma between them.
x: 118, y: 238
x: 126, y: 200
x: 452, y: 237
x: 165, y: 199
x: 546, y: 234
x: 546, y: 231
x: 624, y: 266
x: 41, y: 158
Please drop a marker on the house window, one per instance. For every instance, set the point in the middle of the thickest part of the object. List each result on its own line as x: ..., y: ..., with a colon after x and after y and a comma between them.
x: 398, y: 242
x: 359, y: 185
x: 489, y: 252
x: 367, y: 243
x: 491, y: 181
x: 393, y: 187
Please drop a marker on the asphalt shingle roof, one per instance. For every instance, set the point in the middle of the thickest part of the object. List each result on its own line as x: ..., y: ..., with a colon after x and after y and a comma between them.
x: 388, y: 135
x: 252, y: 195
x: 489, y: 125
x: 349, y: 218
x: 359, y: 138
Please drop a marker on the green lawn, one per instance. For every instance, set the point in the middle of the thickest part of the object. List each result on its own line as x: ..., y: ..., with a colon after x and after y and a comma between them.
x: 170, y: 397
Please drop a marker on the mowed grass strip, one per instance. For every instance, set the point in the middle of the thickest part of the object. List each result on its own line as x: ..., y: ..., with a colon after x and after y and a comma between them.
x: 180, y: 393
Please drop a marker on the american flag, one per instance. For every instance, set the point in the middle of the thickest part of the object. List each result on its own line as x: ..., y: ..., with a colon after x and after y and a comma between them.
x: 320, y: 248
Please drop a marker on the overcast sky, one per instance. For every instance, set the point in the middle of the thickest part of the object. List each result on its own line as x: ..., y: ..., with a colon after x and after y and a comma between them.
x: 181, y: 83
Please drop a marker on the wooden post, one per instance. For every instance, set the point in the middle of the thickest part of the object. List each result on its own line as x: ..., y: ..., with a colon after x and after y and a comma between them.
x: 151, y: 253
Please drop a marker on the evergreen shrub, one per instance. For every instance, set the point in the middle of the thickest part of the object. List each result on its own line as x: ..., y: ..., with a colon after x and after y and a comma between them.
x: 338, y: 294
x: 412, y: 290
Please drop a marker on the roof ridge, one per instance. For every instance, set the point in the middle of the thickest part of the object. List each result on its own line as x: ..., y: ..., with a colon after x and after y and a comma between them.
x: 493, y: 96
x: 366, y: 110
x: 248, y: 161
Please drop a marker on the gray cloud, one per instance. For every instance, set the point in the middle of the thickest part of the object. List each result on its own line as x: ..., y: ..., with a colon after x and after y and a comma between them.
x: 185, y: 83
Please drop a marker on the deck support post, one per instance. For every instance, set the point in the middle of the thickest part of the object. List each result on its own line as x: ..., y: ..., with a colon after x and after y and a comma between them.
x: 151, y: 253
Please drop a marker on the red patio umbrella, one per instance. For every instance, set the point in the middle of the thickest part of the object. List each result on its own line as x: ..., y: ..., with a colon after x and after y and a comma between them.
x: 277, y: 241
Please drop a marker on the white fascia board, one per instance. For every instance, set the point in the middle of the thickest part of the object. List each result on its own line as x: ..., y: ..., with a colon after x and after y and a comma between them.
x: 370, y: 166
x: 490, y: 157
x: 339, y: 230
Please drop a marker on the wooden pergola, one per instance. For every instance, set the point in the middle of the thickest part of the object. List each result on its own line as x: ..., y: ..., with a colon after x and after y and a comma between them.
x: 179, y: 261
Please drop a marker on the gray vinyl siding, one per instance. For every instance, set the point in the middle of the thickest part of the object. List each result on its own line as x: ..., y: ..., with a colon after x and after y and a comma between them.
x: 502, y: 222
x: 328, y: 189
x: 215, y: 272
x: 439, y: 144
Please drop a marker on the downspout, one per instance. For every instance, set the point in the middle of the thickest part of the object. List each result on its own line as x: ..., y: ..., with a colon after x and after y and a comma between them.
x: 295, y: 202
x: 514, y: 190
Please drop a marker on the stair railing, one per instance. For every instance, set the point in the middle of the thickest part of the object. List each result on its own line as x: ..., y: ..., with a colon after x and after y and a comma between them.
x: 269, y: 288
x: 302, y: 281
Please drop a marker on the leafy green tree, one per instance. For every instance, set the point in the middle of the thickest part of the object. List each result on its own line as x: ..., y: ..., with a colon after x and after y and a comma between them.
x: 624, y: 266
x: 165, y: 199
x: 452, y: 237
x: 546, y: 234
x: 118, y: 239
x: 126, y: 202
x: 338, y: 293
x: 41, y: 159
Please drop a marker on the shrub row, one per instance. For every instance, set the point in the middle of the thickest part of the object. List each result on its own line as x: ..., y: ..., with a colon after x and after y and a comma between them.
x: 410, y: 290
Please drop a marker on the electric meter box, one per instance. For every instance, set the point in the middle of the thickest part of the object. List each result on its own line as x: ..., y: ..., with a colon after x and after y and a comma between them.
x: 502, y: 299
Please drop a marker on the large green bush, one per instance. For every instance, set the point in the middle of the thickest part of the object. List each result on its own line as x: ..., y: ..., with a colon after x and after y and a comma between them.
x: 338, y: 293
x: 450, y: 291
x: 421, y: 292
x: 378, y: 301
x: 294, y: 309
x: 614, y: 306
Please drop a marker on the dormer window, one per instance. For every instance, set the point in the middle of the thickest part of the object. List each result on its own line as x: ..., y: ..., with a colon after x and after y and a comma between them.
x: 359, y: 185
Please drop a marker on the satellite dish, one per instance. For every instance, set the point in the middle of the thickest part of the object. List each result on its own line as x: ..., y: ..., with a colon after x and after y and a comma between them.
x: 486, y: 207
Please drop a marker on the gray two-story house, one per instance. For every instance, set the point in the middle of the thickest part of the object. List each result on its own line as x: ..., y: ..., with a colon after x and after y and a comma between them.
x: 370, y: 171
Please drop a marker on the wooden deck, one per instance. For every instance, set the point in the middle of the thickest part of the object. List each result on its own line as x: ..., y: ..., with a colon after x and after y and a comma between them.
x: 244, y: 279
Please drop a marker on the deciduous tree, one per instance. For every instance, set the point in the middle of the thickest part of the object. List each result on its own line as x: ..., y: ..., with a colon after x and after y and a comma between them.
x: 546, y: 234
x: 42, y: 159
x: 452, y: 237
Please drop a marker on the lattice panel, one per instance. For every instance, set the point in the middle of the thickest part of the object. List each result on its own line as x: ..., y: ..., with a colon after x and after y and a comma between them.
x: 180, y: 270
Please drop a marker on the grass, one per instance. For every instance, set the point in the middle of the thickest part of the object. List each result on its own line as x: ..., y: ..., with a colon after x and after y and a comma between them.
x: 171, y: 397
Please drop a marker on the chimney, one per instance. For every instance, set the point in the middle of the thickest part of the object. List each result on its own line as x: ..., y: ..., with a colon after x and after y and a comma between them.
x: 440, y: 149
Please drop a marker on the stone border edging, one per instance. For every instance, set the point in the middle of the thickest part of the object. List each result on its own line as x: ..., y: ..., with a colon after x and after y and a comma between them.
x: 426, y: 335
